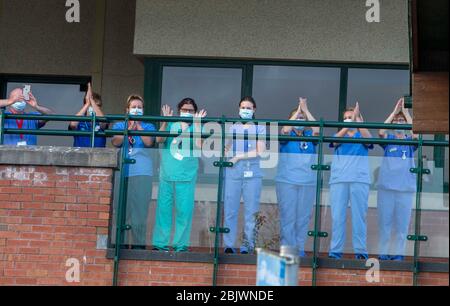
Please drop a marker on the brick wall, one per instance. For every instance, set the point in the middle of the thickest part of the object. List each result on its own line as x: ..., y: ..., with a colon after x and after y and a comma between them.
x: 49, y: 215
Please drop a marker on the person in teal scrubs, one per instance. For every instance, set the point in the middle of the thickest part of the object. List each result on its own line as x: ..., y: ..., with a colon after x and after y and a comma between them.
x: 396, y: 187
x: 178, y: 176
x: 139, y: 175
x: 296, y: 181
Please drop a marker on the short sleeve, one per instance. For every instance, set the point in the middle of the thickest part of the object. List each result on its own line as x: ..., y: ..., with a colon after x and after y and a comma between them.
x: 118, y: 126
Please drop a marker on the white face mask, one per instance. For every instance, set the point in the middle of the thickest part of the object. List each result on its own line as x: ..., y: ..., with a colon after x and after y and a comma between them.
x: 136, y: 111
x: 90, y: 111
x: 246, y: 113
x: 19, y: 106
x: 348, y: 120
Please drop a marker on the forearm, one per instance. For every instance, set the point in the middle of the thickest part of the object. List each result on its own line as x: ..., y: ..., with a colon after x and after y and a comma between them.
x: 163, y: 128
x: 4, y: 103
x: 44, y: 110
x: 389, y: 120
x: 117, y: 141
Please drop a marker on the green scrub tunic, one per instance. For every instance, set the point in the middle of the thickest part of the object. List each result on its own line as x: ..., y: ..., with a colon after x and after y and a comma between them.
x: 178, y: 176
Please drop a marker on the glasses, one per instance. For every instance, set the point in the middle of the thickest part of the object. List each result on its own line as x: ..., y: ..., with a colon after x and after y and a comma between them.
x: 187, y: 110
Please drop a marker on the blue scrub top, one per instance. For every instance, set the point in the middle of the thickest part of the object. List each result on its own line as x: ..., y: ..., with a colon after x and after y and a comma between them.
x: 85, y: 141
x: 295, y: 161
x: 12, y: 140
x: 351, y: 162
x: 139, y: 152
x: 394, y: 172
x: 240, y: 145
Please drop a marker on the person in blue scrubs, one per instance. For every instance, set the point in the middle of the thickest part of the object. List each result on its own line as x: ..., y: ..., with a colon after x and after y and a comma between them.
x: 139, y: 175
x: 92, y: 104
x: 244, y: 179
x: 296, y: 181
x: 396, y: 187
x: 16, y: 104
x: 349, y: 182
x: 177, y: 180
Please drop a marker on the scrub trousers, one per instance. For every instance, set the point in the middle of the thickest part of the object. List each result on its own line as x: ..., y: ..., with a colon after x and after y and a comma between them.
x: 183, y: 194
x: 295, y: 205
x: 250, y: 189
x: 358, y: 195
x: 394, y: 213
x: 139, y: 196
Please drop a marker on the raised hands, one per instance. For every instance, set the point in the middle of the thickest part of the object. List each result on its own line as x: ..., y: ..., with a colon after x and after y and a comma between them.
x: 166, y: 111
x: 303, y: 106
x: 32, y: 102
x: 201, y: 114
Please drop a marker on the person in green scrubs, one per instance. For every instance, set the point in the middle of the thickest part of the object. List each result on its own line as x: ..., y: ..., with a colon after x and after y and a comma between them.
x: 178, y: 176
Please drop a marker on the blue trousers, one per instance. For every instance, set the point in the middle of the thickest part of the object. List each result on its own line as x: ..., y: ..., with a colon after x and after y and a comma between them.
x: 295, y: 205
x: 394, y: 213
x: 250, y: 189
x: 358, y: 195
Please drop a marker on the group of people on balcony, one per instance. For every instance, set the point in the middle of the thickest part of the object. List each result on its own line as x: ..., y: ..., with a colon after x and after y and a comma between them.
x: 296, y: 181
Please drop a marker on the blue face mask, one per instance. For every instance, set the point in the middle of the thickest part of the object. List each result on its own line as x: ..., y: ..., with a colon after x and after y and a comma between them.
x: 186, y: 115
x: 136, y: 111
x: 19, y: 106
x: 246, y: 114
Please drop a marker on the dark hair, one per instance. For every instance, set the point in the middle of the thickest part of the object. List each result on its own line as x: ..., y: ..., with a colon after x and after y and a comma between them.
x: 187, y: 101
x: 248, y: 99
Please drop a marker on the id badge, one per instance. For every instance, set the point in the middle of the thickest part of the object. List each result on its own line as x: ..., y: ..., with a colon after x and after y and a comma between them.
x: 130, y: 151
x: 22, y: 144
x: 248, y: 174
x: 178, y: 156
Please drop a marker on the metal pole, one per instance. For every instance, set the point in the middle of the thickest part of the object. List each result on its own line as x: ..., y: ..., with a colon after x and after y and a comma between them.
x: 317, y: 213
x: 218, y: 228
x: 120, y: 226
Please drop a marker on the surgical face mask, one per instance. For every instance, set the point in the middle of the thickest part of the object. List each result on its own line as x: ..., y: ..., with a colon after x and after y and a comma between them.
x: 186, y: 115
x: 19, y: 106
x: 348, y: 120
x: 246, y: 113
x: 136, y: 111
x: 399, y: 132
x: 90, y: 111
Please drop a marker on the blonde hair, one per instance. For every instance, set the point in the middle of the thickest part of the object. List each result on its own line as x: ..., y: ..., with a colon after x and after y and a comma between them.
x: 132, y: 98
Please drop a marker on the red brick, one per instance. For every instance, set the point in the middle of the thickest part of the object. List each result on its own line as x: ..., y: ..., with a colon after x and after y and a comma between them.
x: 43, y: 198
x: 96, y: 207
x: 65, y: 199
x: 10, y: 190
x: 26, y: 220
x: 5, y: 182
x: 9, y: 205
x: 88, y: 200
x: 66, y: 185
x: 21, y: 213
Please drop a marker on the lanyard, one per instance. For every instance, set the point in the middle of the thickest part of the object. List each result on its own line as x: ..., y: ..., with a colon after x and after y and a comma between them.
x: 19, y: 123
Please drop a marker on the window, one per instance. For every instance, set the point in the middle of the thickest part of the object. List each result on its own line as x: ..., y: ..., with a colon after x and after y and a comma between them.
x: 64, y: 95
x: 276, y: 90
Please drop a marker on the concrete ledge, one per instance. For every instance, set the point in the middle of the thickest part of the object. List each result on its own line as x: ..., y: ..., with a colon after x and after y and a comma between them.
x: 60, y: 156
